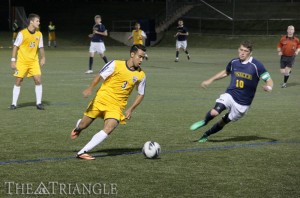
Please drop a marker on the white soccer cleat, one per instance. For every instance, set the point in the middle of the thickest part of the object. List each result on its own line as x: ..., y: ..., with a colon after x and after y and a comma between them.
x: 89, y: 72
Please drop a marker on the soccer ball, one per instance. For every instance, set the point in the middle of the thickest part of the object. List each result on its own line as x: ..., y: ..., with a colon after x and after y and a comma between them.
x: 151, y: 149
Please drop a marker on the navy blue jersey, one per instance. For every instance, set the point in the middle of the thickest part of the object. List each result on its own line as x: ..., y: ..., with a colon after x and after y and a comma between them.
x: 182, y: 30
x: 244, y: 79
x: 97, y: 37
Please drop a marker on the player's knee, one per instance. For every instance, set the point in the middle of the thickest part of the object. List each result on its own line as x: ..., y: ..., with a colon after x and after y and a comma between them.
x: 219, y: 107
x: 226, y: 119
x: 19, y: 82
x: 37, y: 80
x: 214, y: 113
x: 108, y: 129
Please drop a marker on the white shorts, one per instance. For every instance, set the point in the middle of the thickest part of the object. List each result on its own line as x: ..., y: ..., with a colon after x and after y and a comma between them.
x: 236, y: 111
x: 181, y: 44
x: 97, y: 47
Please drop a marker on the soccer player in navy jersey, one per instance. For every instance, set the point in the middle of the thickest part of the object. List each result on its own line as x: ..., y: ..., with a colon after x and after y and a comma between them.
x: 245, y: 72
x: 97, y: 42
x: 181, y: 40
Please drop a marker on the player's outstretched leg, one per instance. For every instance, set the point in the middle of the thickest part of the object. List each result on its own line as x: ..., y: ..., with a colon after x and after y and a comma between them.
x: 97, y: 139
x: 187, y: 55
x: 214, y: 129
x: 85, y: 156
x: 197, y: 125
x: 177, y: 56
x: 202, y: 123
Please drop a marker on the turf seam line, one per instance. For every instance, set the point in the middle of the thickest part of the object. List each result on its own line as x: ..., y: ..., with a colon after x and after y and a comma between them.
x: 165, y: 151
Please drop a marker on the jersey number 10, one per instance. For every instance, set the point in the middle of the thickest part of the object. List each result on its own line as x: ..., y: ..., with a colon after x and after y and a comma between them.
x: 239, y: 83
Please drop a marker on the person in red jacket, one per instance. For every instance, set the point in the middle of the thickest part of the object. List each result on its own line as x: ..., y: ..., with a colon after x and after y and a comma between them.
x: 288, y: 47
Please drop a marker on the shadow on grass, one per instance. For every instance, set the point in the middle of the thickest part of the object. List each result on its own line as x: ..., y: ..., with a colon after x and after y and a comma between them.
x: 32, y: 104
x: 116, y: 151
x: 243, y: 139
x: 292, y: 84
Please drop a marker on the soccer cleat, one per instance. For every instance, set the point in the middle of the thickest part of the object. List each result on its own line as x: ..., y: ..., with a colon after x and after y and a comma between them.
x: 283, y: 85
x: 12, y: 107
x: 40, y: 107
x: 89, y: 71
x: 176, y: 59
x: 188, y: 57
x: 197, y: 125
x: 146, y: 57
x: 85, y: 156
x: 203, y: 138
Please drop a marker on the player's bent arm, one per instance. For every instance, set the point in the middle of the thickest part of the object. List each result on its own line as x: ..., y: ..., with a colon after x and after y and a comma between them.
x: 102, y: 33
x: 218, y: 76
x: 42, y: 55
x: 297, y: 51
x: 279, y: 51
x: 139, y: 98
x: 268, y: 87
x: 268, y: 81
x: 88, y: 91
x: 144, y: 35
x: 13, y: 57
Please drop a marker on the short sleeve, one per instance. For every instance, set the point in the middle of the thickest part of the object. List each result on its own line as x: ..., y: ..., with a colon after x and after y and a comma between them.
x: 107, y: 69
x: 19, y: 39
x: 142, y: 86
x: 41, y: 43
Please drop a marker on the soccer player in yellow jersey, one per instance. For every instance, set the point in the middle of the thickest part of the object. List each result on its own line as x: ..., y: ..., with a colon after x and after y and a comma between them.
x: 119, y: 79
x: 25, y: 59
x: 51, y: 34
x: 138, y: 36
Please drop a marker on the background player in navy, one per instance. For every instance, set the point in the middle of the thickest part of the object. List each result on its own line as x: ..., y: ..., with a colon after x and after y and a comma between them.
x: 245, y: 73
x: 97, y: 42
x: 181, y: 41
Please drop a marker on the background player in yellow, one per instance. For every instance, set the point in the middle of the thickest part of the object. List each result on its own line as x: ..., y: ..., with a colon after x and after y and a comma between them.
x: 119, y: 79
x: 51, y: 34
x: 25, y: 59
x: 138, y: 36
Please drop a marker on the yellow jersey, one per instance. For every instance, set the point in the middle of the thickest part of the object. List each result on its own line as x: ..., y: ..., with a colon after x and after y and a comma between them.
x: 119, y: 81
x: 28, y: 44
x: 51, y: 28
x: 138, y: 37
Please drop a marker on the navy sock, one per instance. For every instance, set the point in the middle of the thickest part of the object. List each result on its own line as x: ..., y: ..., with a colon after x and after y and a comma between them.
x: 177, y: 54
x: 91, y: 63
x: 286, y: 78
x: 105, y: 59
x: 208, y: 117
x: 214, y: 129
